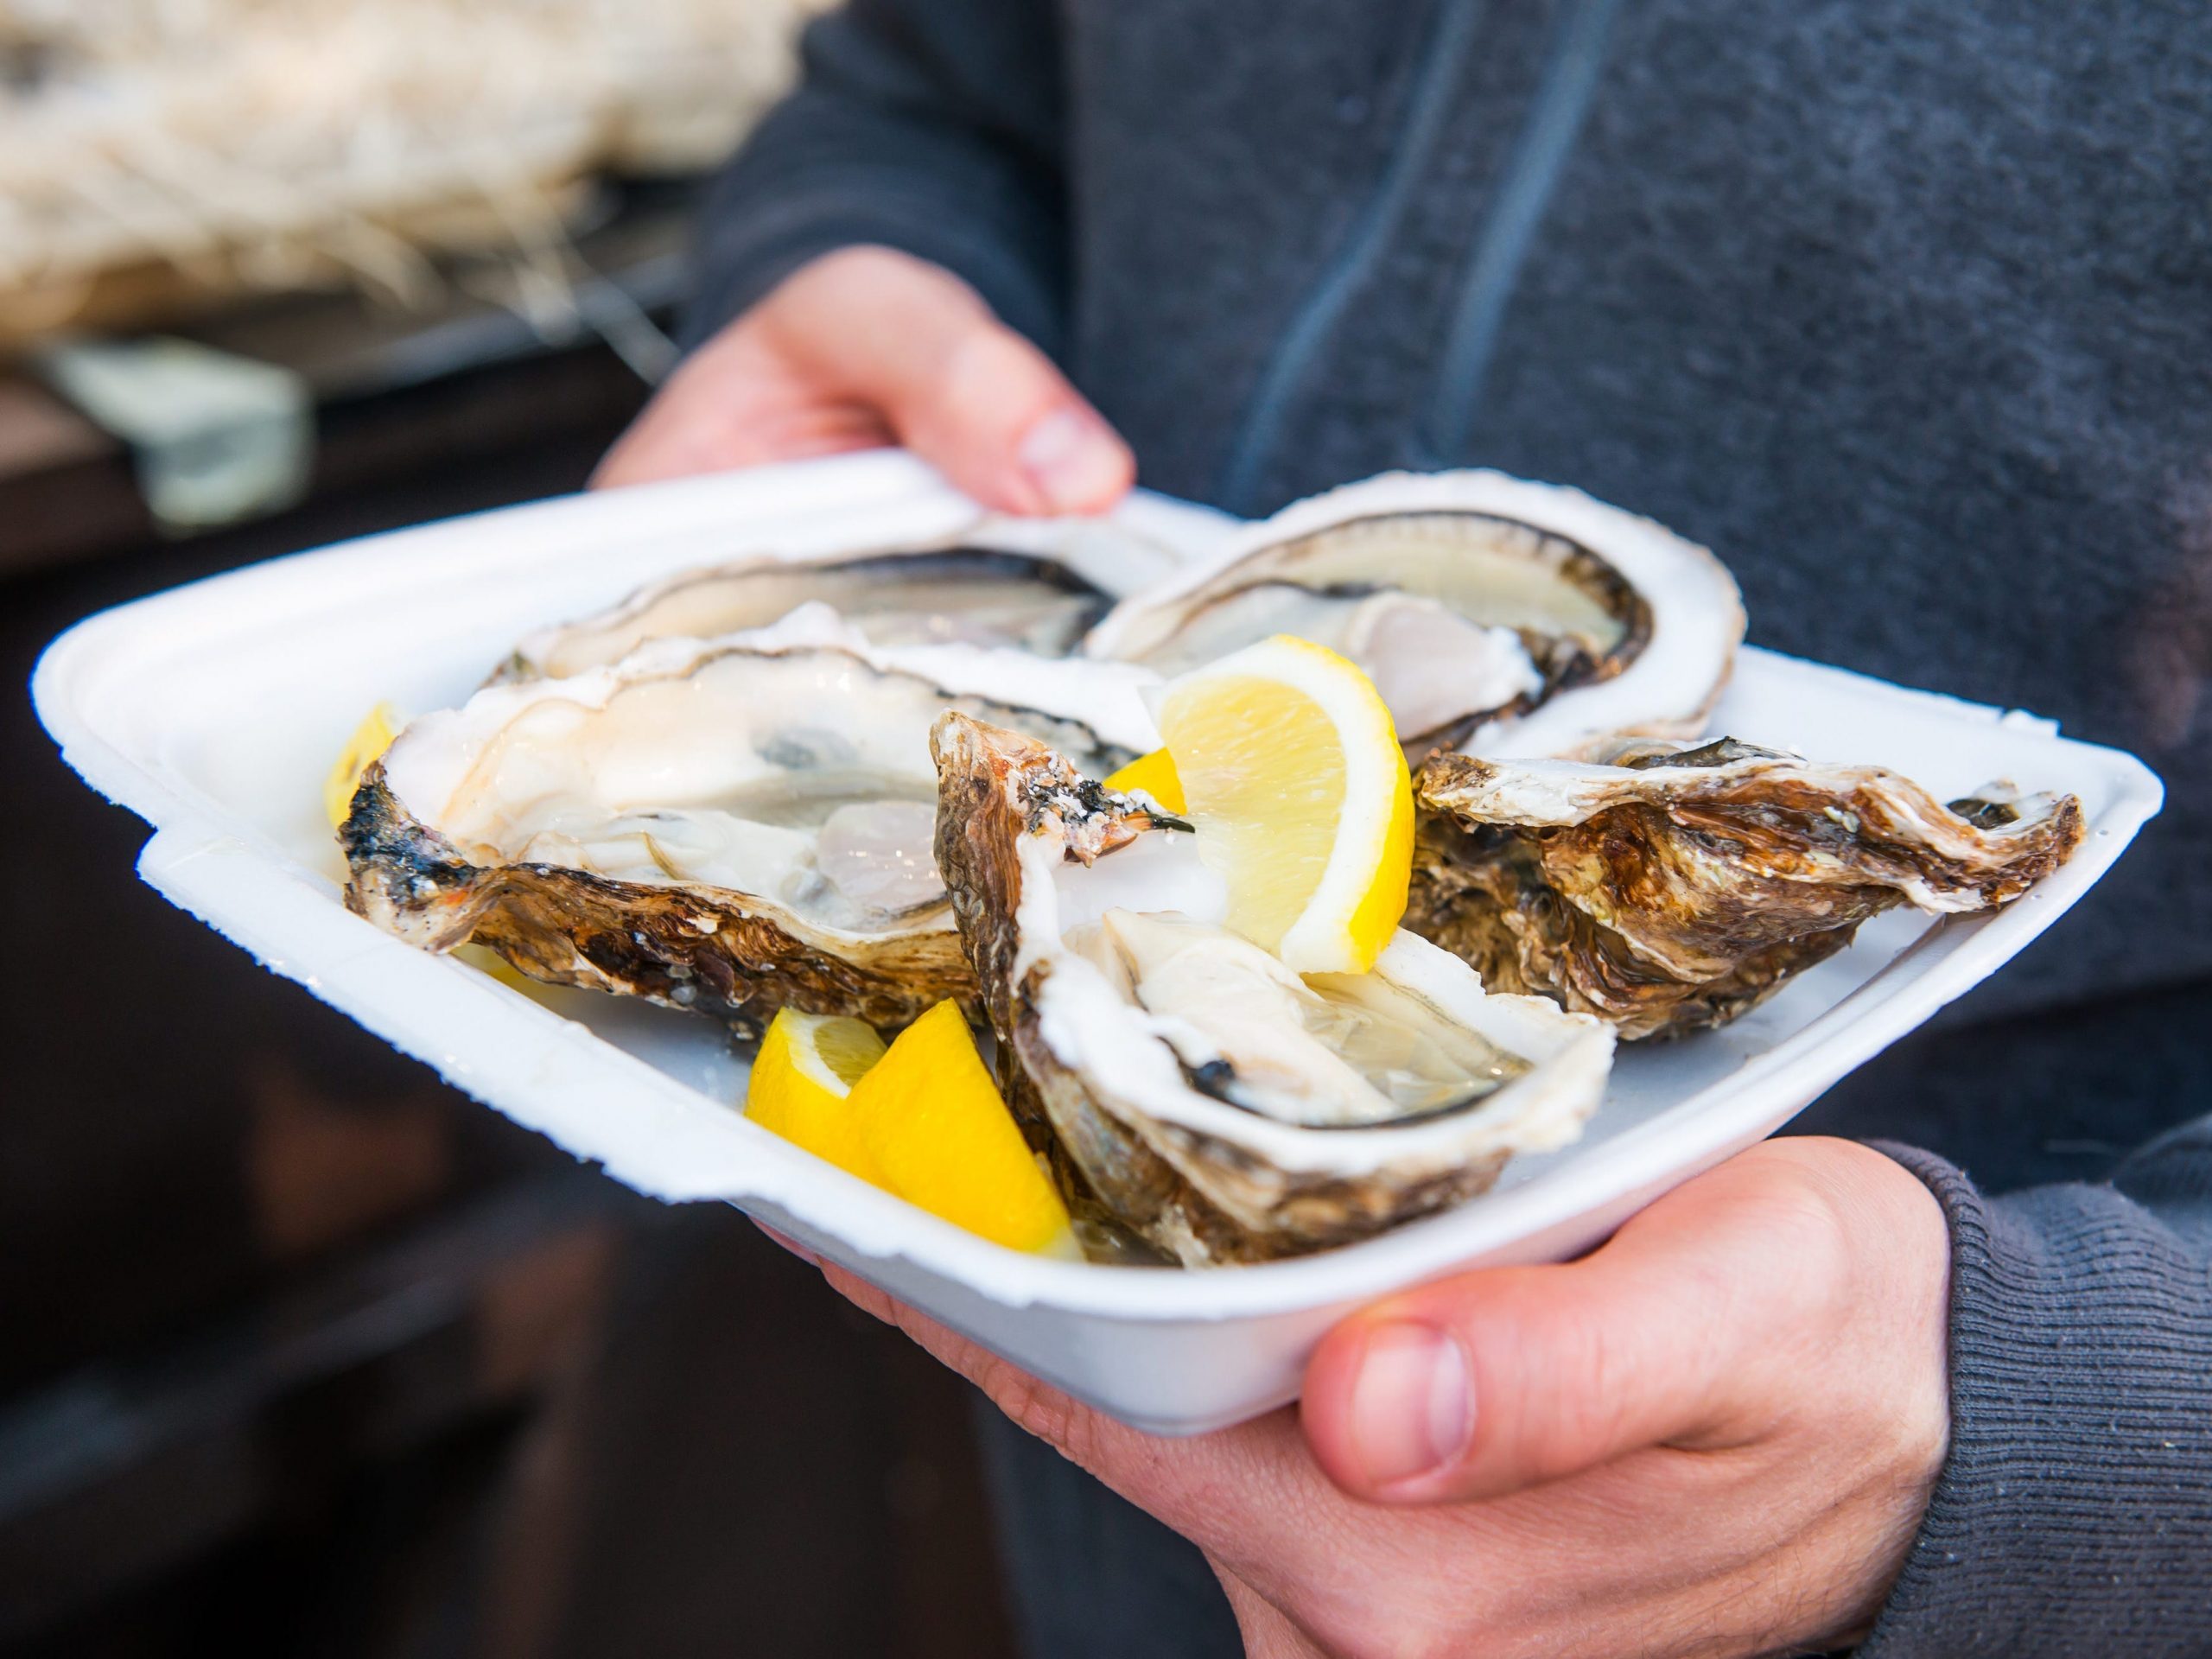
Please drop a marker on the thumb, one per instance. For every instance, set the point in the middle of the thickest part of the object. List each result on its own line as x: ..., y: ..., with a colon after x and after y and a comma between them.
x: 1501, y: 1379
x: 958, y: 387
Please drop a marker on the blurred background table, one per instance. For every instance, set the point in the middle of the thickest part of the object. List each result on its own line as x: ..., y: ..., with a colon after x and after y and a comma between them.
x: 397, y: 393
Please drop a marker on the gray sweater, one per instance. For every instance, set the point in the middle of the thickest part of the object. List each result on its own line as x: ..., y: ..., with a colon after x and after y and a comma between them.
x: 1906, y: 309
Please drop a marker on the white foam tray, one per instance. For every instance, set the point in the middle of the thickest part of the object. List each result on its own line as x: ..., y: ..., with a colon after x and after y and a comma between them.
x: 213, y: 712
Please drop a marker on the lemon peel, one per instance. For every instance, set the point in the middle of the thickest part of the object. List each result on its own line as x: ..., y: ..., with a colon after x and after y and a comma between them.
x: 1156, y: 775
x: 369, y: 741
x: 932, y: 1120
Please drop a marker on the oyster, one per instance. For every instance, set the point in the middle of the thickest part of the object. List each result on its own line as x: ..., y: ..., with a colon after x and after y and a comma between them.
x: 1675, y: 888
x: 1495, y: 616
x: 1203, y: 1096
x: 715, y: 826
x: 1032, y: 586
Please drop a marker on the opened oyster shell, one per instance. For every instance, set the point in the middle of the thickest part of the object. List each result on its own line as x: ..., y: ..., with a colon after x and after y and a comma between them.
x: 1031, y: 585
x: 714, y: 826
x: 1495, y: 616
x: 1220, y: 1106
x: 1677, y: 888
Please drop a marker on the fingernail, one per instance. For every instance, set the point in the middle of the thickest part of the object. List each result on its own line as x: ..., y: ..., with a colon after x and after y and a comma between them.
x: 1412, y: 1409
x: 1071, y: 457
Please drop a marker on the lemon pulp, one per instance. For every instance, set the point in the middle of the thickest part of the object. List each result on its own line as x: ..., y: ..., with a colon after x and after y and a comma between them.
x: 1292, y: 772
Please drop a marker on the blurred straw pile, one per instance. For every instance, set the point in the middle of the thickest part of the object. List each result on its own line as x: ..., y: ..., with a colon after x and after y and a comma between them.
x: 153, y: 151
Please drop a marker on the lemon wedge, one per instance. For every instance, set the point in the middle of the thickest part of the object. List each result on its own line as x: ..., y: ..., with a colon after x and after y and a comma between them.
x: 370, y: 740
x: 932, y: 1119
x: 1292, y: 772
x: 1154, y: 774
x: 803, y: 1081
x: 922, y: 1120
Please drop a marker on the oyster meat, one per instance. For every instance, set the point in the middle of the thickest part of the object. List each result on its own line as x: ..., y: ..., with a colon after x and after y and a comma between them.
x: 1191, y: 1088
x: 1495, y: 616
x: 723, y: 827
x: 1034, y: 587
x: 1674, y: 888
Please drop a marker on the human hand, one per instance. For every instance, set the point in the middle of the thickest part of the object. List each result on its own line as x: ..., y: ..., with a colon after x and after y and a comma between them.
x: 867, y: 346
x: 1714, y: 1435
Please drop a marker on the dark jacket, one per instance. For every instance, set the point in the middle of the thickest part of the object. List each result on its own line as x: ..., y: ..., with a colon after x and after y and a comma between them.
x: 1905, y: 309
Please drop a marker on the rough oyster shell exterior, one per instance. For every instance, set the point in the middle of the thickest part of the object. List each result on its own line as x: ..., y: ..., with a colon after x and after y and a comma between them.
x: 712, y: 950
x: 1680, y: 889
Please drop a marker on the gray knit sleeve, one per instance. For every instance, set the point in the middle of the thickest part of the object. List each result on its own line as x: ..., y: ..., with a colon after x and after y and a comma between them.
x: 2074, y: 1514
x: 927, y: 125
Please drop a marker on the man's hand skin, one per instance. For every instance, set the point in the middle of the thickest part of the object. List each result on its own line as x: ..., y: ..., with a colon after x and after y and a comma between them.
x: 868, y: 347
x: 1714, y: 1435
